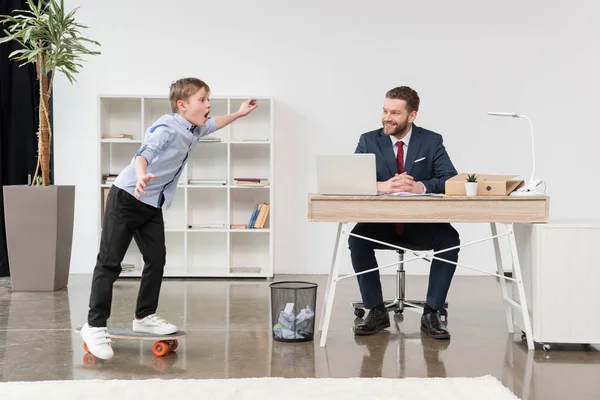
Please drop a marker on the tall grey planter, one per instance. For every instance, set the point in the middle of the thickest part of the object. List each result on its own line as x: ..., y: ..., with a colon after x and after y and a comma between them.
x: 39, y: 234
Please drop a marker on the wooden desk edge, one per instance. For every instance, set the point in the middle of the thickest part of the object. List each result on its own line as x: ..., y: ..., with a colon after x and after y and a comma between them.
x: 538, y: 198
x: 314, y: 196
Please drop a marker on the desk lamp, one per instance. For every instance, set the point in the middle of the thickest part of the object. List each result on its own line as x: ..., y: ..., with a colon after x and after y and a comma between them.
x: 529, y: 189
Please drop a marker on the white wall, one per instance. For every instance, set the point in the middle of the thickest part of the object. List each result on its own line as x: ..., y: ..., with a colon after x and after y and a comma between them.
x: 328, y: 67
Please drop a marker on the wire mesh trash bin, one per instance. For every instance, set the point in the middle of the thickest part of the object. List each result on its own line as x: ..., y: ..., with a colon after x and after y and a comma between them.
x: 293, y: 310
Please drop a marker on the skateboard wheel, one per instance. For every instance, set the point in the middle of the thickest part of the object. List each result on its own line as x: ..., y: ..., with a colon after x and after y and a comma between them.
x: 173, y: 345
x: 89, y: 360
x: 160, y: 349
x: 85, y: 347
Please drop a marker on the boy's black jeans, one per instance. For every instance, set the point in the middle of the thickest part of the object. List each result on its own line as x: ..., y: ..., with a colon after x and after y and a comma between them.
x: 125, y: 218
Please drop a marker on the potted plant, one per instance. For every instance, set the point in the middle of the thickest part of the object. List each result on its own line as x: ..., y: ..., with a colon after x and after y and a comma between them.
x: 471, y: 185
x: 39, y: 219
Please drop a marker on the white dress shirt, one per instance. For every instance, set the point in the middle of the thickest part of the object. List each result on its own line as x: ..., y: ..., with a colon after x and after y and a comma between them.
x: 406, y: 141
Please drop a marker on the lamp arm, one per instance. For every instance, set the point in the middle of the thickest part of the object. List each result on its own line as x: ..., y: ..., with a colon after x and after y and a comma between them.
x: 532, y: 147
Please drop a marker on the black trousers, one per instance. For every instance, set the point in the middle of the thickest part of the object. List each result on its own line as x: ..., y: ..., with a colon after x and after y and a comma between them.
x: 126, y: 218
x: 436, y: 236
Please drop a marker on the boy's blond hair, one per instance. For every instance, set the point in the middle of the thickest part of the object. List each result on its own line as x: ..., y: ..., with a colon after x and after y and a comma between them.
x: 183, y: 88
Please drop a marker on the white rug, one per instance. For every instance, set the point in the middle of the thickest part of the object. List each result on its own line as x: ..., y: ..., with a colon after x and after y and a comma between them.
x: 486, y: 387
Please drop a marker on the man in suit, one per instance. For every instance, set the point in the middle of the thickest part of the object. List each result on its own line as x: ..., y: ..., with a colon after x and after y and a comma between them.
x: 409, y: 159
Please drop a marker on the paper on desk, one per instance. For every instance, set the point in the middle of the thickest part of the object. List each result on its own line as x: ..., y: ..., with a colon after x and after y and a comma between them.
x: 412, y: 194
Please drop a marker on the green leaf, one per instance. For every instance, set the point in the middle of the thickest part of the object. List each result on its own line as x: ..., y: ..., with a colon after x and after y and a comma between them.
x: 48, y: 29
x: 6, y: 38
x: 27, y: 34
x: 14, y: 53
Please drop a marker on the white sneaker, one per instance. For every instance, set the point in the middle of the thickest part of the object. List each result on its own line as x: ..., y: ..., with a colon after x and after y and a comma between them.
x: 97, y: 341
x: 153, y: 324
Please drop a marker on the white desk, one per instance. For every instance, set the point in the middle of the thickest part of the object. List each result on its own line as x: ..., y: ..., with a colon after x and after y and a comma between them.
x: 452, y: 209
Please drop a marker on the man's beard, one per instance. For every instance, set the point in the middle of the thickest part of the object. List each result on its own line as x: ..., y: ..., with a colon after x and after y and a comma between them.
x: 398, y: 129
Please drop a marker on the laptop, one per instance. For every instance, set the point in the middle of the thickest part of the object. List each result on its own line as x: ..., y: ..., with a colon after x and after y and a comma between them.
x: 347, y: 174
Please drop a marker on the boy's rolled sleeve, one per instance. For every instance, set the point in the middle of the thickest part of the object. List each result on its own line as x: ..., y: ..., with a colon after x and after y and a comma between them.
x: 208, y: 128
x: 157, y: 139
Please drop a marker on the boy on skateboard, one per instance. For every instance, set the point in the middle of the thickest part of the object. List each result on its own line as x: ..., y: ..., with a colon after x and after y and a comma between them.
x: 134, y: 210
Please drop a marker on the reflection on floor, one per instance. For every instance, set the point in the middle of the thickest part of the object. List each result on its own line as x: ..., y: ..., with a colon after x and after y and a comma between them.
x: 229, y: 337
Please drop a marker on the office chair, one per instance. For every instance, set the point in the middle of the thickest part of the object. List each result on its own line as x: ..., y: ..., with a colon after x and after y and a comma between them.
x: 399, y: 303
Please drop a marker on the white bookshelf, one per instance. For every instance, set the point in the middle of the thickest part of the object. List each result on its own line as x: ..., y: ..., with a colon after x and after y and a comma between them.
x: 199, y: 239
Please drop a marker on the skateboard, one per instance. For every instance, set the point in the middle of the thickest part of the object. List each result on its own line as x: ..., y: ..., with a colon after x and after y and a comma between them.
x: 163, y: 344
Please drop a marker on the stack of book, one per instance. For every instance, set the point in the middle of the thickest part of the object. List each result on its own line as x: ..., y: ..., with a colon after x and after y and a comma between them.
x: 251, y: 181
x: 207, y: 182
x: 126, y: 268
x: 124, y: 136
x: 258, y: 217
x: 210, y: 139
x: 109, y: 179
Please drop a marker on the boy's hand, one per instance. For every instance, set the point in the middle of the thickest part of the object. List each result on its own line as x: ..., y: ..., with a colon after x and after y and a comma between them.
x: 247, y: 107
x: 141, y: 184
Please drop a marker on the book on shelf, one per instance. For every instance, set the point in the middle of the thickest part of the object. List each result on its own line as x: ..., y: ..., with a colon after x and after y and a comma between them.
x: 125, y: 268
x: 210, y: 139
x: 118, y: 136
x: 259, y: 216
x: 110, y: 178
x: 245, y: 270
x: 251, y: 181
x: 207, y: 226
x: 204, y: 182
x: 239, y: 226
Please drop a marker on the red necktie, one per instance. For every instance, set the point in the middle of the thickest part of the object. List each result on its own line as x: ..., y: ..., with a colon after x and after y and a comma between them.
x: 400, y: 162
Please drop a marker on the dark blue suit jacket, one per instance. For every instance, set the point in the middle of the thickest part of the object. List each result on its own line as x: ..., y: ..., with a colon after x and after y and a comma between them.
x: 432, y: 167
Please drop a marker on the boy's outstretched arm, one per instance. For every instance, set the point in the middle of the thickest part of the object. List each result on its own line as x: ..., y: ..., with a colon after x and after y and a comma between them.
x: 142, y: 177
x: 246, y: 108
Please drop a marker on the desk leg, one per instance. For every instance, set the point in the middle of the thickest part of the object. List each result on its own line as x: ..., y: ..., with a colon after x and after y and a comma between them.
x: 500, y: 271
x: 522, y: 297
x: 331, y: 293
x: 330, y: 276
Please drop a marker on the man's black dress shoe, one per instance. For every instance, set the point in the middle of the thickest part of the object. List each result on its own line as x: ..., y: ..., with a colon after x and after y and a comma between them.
x: 431, y: 324
x: 375, y: 322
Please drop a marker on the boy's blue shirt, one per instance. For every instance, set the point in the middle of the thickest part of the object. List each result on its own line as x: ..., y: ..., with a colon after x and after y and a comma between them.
x: 166, y: 148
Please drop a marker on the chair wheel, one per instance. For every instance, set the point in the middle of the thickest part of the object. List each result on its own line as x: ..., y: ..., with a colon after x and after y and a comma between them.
x: 359, y: 312
x: 547, y: 347
x: 398, y: 311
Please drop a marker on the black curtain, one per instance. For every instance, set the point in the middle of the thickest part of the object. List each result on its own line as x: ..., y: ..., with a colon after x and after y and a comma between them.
x: 19, y: 96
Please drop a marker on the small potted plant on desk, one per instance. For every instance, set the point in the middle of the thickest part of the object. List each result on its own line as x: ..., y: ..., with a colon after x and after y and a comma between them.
x: 471, y: 185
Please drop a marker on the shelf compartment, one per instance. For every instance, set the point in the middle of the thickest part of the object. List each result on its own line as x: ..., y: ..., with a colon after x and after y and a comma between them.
x: 207, y: 208
x: 254, y: 126
x: 250, y: 162
x: 208, y: 161
x: 121, y: 115
x: 249, y: 253
x: 117, y: 156
x: 207, y: 252
x: 243, y: 202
